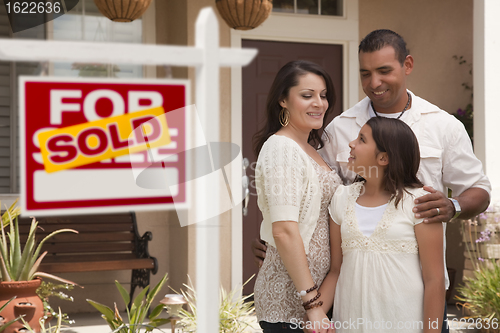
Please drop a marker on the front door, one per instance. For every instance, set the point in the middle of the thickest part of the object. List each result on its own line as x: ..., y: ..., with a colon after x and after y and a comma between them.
x: 257, y: 80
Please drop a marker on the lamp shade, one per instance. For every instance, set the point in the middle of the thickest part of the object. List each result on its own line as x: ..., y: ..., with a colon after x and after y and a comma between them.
x: 122, y: 10
x: 173, y: 303
x: 244, y: 14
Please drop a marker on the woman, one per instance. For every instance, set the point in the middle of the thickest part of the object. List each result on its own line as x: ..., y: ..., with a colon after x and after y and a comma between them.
x: 294, y: 188
x: 389, y: 276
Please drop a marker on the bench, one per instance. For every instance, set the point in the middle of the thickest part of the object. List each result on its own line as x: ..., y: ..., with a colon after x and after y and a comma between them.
x: 104, y: 243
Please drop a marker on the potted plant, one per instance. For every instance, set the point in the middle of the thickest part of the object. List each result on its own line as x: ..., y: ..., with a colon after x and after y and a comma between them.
x: 479, y: 294
x: 19, y: 275
x: 50, y: 329
x: 3, y: 323
x: 49, y: 290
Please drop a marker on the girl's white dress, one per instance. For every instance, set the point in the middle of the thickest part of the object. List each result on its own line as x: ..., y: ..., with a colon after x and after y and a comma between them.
x: 380, y: 287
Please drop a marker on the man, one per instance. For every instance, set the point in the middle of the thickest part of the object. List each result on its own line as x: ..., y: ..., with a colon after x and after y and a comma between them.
x: 447, y: 158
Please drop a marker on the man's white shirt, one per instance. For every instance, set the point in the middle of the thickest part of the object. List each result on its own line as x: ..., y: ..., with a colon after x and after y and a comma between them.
x: 446, y: 156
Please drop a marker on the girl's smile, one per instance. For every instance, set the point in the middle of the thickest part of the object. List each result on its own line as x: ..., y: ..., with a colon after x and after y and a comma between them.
x: 364, y: 156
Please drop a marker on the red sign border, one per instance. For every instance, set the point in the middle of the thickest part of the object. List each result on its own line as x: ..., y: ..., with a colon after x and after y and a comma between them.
x: 99, y: 206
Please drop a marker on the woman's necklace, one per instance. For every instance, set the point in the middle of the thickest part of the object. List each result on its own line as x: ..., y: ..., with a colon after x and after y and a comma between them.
x: 406, y: 107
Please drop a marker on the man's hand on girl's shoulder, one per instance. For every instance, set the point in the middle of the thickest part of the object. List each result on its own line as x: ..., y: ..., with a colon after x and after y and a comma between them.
x: 433, y: 207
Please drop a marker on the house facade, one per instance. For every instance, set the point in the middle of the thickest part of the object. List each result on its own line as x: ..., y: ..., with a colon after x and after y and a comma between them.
x: 327, y: 32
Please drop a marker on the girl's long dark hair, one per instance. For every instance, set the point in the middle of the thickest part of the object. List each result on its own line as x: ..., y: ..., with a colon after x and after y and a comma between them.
x: 288, y: 77
x: 395, y: 138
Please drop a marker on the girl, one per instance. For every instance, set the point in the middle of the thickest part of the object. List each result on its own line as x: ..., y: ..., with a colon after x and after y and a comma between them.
x: 294, y: 188
x: 385, y: 274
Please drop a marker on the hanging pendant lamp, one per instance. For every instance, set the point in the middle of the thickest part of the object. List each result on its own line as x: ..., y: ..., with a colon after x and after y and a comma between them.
x: 122, y: 10
x: 244, y: 14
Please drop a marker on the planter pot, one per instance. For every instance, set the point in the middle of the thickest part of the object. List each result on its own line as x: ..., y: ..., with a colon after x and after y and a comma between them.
x: 122, y: 10
x: 27, y: 302
x: 244, y: 14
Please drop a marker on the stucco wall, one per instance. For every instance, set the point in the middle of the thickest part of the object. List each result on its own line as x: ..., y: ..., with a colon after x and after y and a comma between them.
x: 434, y: 31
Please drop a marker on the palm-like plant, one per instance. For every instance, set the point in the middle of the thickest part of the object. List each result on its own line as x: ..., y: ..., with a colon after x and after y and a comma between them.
x: 234, y: 313
x: 18, y: 264
x: 43, y: 329
x: 480, y: 294
x: 137, y: 312
x: 12, y: 212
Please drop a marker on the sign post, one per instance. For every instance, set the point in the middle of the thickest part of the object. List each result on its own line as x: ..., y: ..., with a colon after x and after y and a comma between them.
x: 207, y: 232
x: 207, y: 57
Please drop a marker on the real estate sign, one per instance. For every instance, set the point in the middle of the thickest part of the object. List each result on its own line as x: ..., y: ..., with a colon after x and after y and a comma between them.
x: 81, y: 138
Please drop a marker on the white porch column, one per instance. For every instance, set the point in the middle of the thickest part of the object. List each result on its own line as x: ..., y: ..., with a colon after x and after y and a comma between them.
x: 487, y: 88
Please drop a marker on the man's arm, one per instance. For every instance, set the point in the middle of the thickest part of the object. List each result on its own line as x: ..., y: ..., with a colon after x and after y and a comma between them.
x: 462, y: 173
x: 259, y: 249
x: 473, y: 201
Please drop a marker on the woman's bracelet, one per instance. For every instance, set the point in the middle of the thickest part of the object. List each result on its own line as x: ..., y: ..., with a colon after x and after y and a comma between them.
x: 312, y: 306
x: 305, y: 292
x: 318, y: 295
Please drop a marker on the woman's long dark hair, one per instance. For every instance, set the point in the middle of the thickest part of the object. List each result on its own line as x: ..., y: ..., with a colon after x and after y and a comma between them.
x: 395, y: 138
x: 288, y: 77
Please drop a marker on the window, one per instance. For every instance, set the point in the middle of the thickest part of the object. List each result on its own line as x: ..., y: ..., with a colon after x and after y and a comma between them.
x: 9, y: 134
x: 86, y: 23
x: 311, y: 7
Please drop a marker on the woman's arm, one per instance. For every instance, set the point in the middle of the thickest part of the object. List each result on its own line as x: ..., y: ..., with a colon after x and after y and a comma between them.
x: 430, y: 242
x: 291, y: 249
x: 330, y: 282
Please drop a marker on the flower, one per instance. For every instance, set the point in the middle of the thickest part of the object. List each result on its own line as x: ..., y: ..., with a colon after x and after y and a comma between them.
x: 465, y: 114
x: 485, y: 236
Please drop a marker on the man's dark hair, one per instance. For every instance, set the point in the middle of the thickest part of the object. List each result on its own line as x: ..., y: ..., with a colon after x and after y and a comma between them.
x: 377, y: 39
